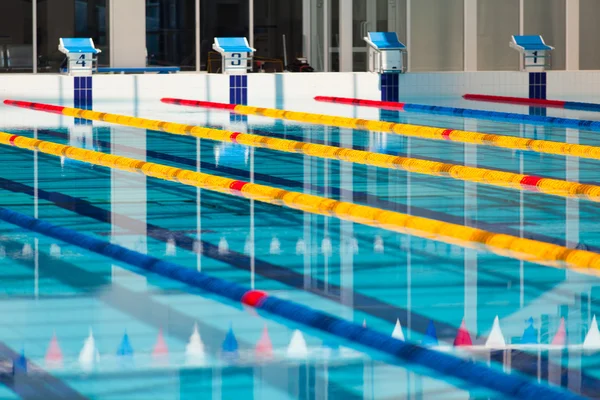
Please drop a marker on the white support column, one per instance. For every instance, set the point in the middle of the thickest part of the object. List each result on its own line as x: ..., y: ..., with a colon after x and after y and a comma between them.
x: 128, y: 200
x: 470, y: 255
x: 197, y: 10
x: 521, y: 17
x: 306, y: 31
x: 572, y: 28
x: 345, y: 36
x: 251, y: 22
x: 127, y: 33
x: 470, y: 35
x: 34, y: 36
x: 408, y: 34
x: 326, y: 34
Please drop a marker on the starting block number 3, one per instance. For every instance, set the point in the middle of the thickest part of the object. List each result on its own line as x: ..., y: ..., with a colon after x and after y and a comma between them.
x: 237, y: 59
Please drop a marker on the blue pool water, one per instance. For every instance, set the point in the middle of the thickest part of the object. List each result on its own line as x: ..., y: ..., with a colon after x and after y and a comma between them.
x: 355, y: 272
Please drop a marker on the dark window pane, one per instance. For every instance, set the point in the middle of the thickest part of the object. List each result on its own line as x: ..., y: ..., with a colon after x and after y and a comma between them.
x: 170, y: 33
x: 70, y: 18
x: 218, y: 19
x: 16, y: 43
x: 272, y: 20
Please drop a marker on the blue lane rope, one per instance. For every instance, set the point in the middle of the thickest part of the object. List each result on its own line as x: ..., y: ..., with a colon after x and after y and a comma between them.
x: 505, y: 116
x: 474, y: 373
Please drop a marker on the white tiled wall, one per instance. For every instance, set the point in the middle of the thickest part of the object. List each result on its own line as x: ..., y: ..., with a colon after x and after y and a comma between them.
x: 297, y: 89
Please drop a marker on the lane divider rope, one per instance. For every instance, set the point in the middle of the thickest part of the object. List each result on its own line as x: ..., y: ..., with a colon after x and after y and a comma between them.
x: 501, y: 244
x: 470, y: 113
x: 424, y: 132
x: 503, y: 179
x: 569, y: 105
x: 475, y: 373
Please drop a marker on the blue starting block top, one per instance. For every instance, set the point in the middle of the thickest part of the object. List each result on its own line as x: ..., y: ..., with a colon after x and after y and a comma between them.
x: 77, y: 45
x: 232, y: 45
x: 385, y: 41
x: 530, y: 43
x: 138, y: 70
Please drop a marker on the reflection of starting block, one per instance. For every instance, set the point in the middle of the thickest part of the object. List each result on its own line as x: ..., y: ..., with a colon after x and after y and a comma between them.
x: 236, y: 54
x: 80, y: 54
x: 386, y: 52
x: 535, y: 54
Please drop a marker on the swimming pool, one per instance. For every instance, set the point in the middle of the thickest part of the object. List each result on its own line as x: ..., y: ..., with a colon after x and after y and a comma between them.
x: 142, y: 322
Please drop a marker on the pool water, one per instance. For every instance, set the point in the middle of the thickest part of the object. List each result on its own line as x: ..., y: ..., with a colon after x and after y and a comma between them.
x: 54, y: 295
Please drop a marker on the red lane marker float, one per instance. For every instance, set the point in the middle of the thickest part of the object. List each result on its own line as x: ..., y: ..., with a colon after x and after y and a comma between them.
x: 446, y: 133
x: 197, y: 103
x: 253, y: 298
x: 236, y: 186
x: 35, y: 106
x: 515, y: 100
x: 386, y: 105
x: 12, y: 139
x: 530, y: 182
x: 233, y: 136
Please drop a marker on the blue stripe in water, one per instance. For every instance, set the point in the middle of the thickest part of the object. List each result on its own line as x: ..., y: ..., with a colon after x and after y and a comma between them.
x: 361, y: 302
x: 475, y: 373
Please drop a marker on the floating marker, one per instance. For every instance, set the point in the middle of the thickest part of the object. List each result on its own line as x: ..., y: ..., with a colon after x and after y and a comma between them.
x: 326, y: 247
x: 275, y: 247
x: 529, y: 334
x: 20, y: 364
x: 170, y: 249
x: 496, y: 338
x: 194, y: 350
x: 89, y: 354
x: 430, y: 338
x: 592, y: 339
x: 378, y: 244
x: 230, y: 344
x: 27, y: 251
x: 54, y: 355
x: 160, y: 348
x: 560, y: 338
x: 297, y: 347
x: 300, y: 247
x: 54, y: 250
x: 264, y: 347
x: 463, y: 338
x: 223, y: 246
x: 397, y: 332
x: 125, y: 348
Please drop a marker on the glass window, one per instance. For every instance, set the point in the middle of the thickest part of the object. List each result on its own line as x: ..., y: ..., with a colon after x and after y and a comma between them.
x: 221, y: 19
x: 547, y: 18
x: 70, y: 18
x: 170, y: 33
x: 589, y: 31
x: 375, y: 16
x: 497, y: 21
x: 272, y: 20
x: 437, y: 34
x: 16, y: 37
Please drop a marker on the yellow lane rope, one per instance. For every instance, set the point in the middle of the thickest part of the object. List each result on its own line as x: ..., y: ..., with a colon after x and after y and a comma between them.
x: 501, y: 244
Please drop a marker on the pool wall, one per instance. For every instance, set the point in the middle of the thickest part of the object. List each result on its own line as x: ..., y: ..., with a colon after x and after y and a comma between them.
x: 290, y: 90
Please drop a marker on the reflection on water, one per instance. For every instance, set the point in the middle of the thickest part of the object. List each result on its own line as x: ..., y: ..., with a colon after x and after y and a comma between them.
x: 419, y: 290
